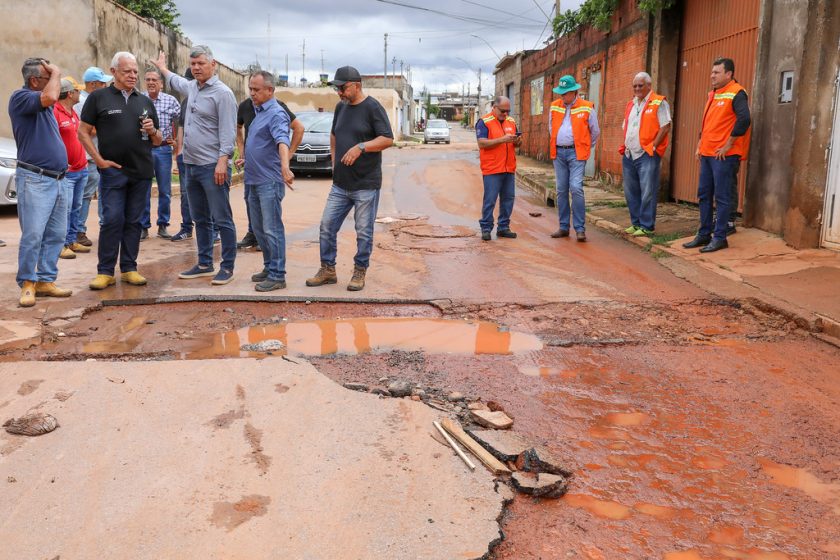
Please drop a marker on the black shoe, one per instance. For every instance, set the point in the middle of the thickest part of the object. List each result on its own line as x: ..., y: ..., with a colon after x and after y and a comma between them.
x: 698, y: 241
x: 270, y: 285
x: 162, y: 233
x: 715, y: 245
x: 182, y: 235
x: 259, y: 276
x: 144, y: 234
x: 581, y: 235
x: 250, y: 240
x: 730, y: 229
x: 485, y: 236
x: 505, y: 233
x: 560, y: 233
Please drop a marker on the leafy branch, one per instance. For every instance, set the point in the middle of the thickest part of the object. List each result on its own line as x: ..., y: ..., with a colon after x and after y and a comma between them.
x: 164, y: 11
x: 598, y: 14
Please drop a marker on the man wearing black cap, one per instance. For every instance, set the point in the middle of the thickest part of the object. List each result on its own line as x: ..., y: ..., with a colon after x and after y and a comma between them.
x: 360, y: 132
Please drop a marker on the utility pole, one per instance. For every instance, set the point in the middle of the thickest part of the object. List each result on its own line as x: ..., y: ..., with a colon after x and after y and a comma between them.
x: 478, y: 100
x: 322, y: 61
x: 269, y: 42
x: 385, y: 64
x: 287, y: 67
x: 394, y: 72
x: 303, y: 60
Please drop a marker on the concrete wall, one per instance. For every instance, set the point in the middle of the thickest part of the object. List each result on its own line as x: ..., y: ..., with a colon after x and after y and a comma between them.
x: 85, y: 33
x: 317, y: 99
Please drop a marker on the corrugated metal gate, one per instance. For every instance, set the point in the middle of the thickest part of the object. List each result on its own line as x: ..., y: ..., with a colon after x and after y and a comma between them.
x: 710, y: 29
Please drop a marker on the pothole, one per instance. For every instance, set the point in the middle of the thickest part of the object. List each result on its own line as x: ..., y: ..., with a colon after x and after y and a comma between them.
x: 438, y: 231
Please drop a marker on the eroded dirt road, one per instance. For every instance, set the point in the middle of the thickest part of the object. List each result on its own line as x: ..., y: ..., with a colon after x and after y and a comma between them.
x: 697, y: 428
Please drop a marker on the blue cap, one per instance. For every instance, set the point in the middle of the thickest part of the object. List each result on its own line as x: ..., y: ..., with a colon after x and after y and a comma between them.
x: 95, y: 74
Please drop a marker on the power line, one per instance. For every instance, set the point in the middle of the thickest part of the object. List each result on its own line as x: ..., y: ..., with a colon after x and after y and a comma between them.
x: 461, y: 17
x: 498, y: 10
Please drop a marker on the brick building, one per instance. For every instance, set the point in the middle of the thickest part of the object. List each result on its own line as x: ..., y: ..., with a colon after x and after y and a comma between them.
x: 508, y: 73
x: 790, y: 184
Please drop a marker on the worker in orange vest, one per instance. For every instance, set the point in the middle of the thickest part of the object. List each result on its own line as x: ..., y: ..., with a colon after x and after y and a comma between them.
x: 724, y: 142
x: 497, y: 137
x: 573, y: 126
x: 647, y: 121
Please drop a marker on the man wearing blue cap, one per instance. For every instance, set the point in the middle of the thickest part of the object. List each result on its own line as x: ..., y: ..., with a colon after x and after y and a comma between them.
x: 573, y: 125
x: 94, y: 78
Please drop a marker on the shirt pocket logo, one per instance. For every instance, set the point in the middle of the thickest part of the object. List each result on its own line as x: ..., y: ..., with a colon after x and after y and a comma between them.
x: 115, y: 112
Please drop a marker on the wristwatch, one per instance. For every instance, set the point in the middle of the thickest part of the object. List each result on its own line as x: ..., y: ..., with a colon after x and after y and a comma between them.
x: 361, y: 146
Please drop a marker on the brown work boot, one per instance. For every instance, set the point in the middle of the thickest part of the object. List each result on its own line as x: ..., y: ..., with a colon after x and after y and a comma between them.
x: 326, y: 275
x: 560, y: 233
x: 49, y: 289
x: 358, y: 280
x: 66, y: 253
x: 77, y: 247
x: 82, y: 239
x: 27, y: 294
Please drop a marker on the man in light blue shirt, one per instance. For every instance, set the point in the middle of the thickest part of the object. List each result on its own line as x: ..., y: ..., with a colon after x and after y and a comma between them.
x: 209, y: 137
x: 266, y: 175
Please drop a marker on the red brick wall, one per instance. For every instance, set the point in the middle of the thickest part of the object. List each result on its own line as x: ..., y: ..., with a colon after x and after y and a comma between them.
x: 618, y: 63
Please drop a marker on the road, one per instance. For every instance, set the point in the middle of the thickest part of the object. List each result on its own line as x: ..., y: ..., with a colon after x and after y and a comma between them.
x: 696, y: 428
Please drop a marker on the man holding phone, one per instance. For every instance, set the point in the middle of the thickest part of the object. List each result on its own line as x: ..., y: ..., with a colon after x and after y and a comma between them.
x: 497, y: 137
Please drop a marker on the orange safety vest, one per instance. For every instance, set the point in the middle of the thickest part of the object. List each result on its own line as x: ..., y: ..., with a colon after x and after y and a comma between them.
x: 649, y: 125
x: 580, y: 125
x: 501, y: 158
x: 719, y: 120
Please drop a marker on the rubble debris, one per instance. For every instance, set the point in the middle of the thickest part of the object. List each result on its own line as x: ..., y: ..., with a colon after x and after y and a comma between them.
x: 454, y: 446
x: 478, y: 405
x: 497, y: 420
x: 457, y: 432
x: 356, y: 387
x: 380, y: 391
x: 495, y: 407
x: 455, y: 396
x: 535, y: 214
x: 539, y: 460
x: 505, y: 446
x: 540, y: 485
x: 269, y: 345
x: 400, y: 388
x: 32, y: 425
x: 418, y: 392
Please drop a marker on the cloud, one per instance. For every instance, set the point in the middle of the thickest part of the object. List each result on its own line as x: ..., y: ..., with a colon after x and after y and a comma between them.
x: 438, y: 43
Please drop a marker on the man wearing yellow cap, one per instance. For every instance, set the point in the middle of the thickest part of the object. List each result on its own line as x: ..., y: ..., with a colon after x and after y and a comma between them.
x: 573, y: 126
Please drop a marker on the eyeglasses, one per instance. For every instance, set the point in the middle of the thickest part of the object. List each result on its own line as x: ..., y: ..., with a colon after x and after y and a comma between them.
x: 638, y: 86
x: 503, y: 110
x: 342, y: 87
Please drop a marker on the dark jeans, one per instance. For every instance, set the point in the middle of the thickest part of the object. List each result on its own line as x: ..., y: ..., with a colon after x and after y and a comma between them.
x: 501, y: 186
x: 186, y: 218
x: 209, y: 206
x: 641, y: 188
x: 162, y: 157
x: 122, y: 199
x: 267, y: 217
x: 75, y: 183
x: 716, y: 178
x: 364, y: 204
x: 248, y: 207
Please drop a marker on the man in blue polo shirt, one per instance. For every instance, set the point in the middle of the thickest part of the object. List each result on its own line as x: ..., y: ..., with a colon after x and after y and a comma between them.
x: 266, y: 175
x: 41, y: 167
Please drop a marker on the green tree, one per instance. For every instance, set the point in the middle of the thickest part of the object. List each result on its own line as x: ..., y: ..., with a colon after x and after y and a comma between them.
x: 164, y: 11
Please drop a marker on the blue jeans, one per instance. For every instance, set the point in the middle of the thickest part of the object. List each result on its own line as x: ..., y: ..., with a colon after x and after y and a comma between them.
x: 266, y: 215
x: 339, y: 203
x: 42, y: 213
x: 716, y: 178
x: 210, y: 206
x: 641, y: 188
x: 186, y: 218
x: 248, y: 207
x: 91, y: 187
x: 500, y: 186
x: 568, y: 172
x: 122, y: 201
x: 162, y: 158
x: 75, y: 184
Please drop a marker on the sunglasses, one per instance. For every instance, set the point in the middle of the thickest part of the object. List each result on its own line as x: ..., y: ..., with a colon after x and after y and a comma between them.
x: 342, y: 87
x: 503, y: 110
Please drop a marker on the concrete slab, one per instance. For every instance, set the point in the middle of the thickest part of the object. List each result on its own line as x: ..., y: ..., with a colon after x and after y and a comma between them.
x: 269, y: 459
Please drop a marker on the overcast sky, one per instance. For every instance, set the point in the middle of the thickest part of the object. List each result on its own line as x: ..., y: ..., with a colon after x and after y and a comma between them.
x: 436, y: 41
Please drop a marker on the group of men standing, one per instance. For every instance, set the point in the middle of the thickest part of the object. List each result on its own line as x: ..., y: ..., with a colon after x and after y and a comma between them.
x: 127, y: 138
x: 573, y: 130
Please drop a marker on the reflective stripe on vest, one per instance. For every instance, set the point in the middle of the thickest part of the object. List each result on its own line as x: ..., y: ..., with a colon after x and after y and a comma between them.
x: 719, y: 121
x: 579, y: 114
x: 502, y: 157
x: 649, y: 125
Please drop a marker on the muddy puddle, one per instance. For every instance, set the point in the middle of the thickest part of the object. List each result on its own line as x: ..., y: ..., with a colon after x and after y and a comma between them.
x: 370, y: 335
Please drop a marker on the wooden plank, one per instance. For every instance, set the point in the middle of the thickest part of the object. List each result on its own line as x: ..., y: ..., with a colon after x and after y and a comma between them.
x: 454, y: 446
x: 494, y: 465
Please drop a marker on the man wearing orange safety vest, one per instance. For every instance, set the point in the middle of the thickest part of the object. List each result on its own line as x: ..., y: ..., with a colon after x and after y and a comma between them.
x: 724, y: 141
x: 647, y: 121
x: 573, y: 126
x: 497, y: 136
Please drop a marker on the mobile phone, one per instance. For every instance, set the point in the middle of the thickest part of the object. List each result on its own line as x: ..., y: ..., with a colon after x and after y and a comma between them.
x: 519, y: 134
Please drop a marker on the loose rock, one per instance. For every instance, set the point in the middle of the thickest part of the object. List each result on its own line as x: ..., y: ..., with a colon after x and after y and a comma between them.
x: 497, y: 420
x: 418, y: 392
x: 263, y: 346
x: 477, y: 406
x: 540, y: 485
x: 31, y: 425
x: 400, y: 388
x: 356, y: 386
x: 539, y: 460
x: 505, y: 446
x: 455, y: 396
x: 380, y: 391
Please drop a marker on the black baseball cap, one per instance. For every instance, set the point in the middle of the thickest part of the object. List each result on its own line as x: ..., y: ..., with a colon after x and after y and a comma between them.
x: 345, y: 74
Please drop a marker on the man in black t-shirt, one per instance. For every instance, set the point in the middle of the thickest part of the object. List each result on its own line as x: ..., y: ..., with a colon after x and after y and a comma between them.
x: 360, y: 132
x: 244, y: 116
x: 126, y: 125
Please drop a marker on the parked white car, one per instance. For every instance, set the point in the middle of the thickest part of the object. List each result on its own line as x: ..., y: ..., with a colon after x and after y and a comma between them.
x: 8, y: 164
x: 437, y: 130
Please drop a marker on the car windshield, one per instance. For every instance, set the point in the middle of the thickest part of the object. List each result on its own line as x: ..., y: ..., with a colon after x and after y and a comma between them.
x: 315, y: 122
x: 437, y: 124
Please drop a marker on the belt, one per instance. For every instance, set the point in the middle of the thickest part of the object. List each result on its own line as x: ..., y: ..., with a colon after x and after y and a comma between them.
x: 566, y: 147
x: 41, y: 171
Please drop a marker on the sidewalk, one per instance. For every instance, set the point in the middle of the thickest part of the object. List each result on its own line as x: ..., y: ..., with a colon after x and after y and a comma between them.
x: 757, y: 267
